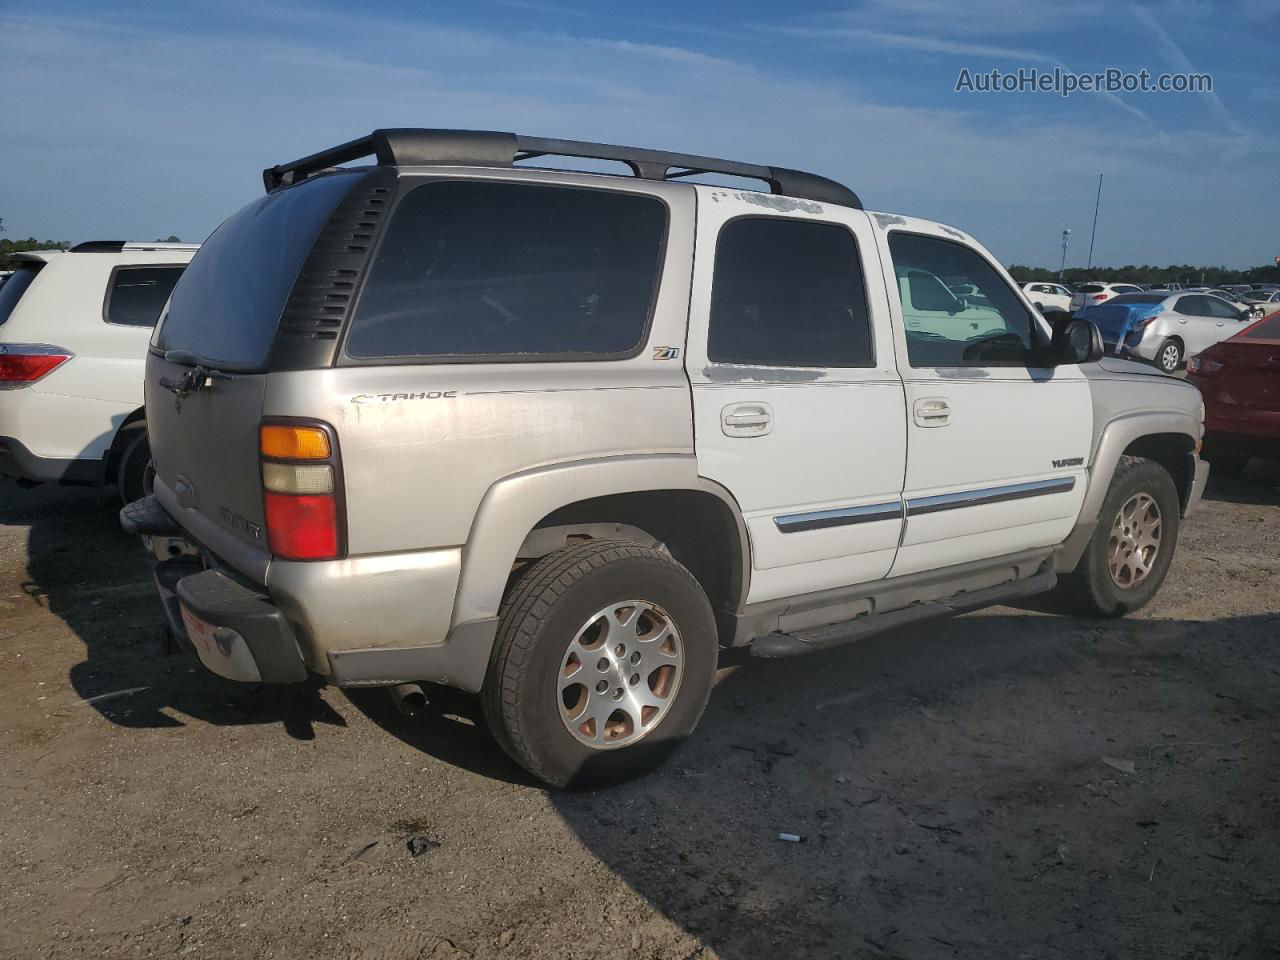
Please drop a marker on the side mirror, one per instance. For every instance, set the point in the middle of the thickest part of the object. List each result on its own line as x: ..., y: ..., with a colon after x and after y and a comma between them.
x: 1077, y: 341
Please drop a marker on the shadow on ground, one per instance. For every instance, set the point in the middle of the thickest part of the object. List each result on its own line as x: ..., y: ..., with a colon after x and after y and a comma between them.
x: 87, y: 572
x: 1006, y: 784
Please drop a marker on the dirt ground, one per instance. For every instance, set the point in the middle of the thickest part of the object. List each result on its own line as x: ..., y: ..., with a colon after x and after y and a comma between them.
x: 1010, y: 784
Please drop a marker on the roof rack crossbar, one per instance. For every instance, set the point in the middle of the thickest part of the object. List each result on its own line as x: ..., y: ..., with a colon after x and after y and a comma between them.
x: 413, y: 147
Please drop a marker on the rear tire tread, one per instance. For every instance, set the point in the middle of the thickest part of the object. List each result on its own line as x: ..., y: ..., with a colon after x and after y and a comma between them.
x: 523, y: 611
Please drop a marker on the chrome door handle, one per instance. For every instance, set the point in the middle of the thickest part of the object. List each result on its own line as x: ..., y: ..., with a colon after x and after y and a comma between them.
x: 932, y: 412
x: 746, y: 420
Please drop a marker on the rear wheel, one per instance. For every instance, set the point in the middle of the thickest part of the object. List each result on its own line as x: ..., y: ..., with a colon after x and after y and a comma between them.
x: 1129, y: 555
x: 132, y: 470
x: 1169, y: 356
x: 602, y: 664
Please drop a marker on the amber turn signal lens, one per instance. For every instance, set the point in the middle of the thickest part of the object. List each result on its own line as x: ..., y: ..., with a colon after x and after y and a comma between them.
x: 294, y: 443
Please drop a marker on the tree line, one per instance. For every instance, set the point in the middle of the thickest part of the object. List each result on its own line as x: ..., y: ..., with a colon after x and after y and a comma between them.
x: 1185, y: 274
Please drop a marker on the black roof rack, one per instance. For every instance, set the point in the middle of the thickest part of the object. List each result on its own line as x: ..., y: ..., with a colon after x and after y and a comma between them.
x: 117, y: 246
x: 484, y: 148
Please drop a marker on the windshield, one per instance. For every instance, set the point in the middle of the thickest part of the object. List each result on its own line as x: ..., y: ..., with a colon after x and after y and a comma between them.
x: 227, y: 304
x: 11, y: 290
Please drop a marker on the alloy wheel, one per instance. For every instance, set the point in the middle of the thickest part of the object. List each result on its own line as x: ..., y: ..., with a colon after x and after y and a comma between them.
x: 620, y: 674
x: 1135, y: 541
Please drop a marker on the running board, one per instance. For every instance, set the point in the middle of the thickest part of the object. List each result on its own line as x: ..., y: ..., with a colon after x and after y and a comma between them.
x: 815, y: 639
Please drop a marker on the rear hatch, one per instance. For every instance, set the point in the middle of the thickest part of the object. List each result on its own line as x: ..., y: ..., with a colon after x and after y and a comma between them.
x: 225, y: 315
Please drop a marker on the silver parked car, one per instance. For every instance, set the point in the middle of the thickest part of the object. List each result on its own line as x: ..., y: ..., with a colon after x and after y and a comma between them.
x: 1165, y: 328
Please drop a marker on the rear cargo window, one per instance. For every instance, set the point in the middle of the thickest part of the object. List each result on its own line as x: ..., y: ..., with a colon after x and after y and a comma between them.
x: 1091, y: 288
x: 138, y: 294
x: 11, y: 290
x: 227, y: 305
x: 512, y: 271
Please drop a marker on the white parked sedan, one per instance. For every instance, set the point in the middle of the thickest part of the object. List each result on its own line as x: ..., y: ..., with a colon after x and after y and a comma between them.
x: 1165, y: 328
x: 1048, y: 295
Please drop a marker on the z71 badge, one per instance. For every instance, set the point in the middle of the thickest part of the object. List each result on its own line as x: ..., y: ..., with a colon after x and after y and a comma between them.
x: 666, y: 353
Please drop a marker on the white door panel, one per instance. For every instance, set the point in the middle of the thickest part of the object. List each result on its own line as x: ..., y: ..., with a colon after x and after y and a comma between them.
x: 814, y: 455
x: 1008, y: 430
x: 995, y: 450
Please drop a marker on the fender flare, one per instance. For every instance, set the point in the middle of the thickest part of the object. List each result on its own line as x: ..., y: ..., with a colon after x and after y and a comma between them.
x: 1116, y: 437
x: 512, y: 506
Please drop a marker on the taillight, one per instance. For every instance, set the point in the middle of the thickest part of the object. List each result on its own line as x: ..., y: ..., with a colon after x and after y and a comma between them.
x: 301, y: 490
x: 22, y: 364
x: 1147, y: 321
x: 1099, y: 297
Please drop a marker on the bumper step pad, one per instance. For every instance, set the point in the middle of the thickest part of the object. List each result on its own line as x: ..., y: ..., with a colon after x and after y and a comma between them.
x: 146, y: 518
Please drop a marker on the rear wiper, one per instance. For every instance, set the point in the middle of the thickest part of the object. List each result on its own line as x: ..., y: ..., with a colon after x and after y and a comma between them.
x: 199, y: 377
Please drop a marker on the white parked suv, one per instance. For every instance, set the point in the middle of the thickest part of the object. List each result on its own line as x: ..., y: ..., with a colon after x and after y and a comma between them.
x: 1090, y: 294
x: 74, y: 327
x: 1052, y: 295
x: 558, y: 437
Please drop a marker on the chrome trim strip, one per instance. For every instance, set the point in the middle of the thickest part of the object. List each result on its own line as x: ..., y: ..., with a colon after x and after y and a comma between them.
x: 975, y: 498
x: 843, y: 516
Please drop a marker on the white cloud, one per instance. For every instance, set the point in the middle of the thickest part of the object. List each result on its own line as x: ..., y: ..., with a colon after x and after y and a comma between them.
x: 144, y: 130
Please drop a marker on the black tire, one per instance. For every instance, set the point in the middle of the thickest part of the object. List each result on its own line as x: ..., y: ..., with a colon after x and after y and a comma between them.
x: 1169, y: 357
x: 541, y: 615
x: 133, y: 467
x: 1227, y: 464
x: 1090, y: 588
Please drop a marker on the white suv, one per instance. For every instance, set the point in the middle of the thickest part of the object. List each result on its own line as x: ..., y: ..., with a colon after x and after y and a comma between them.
x: 558, y: 437
x: 1091, y: 294
x: 1043, y: 295
x: 74, y: 327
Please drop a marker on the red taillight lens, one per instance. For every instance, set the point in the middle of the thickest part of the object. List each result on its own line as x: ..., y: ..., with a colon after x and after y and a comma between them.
x: 301, y: 527
x: 1098, y: 297
x: 20, y: 369
x: 301, y: 487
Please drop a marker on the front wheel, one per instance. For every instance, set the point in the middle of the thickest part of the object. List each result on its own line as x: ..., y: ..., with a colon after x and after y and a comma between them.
x: 602, y: 665
x: 1169, y: 357
x: 1129, y: 555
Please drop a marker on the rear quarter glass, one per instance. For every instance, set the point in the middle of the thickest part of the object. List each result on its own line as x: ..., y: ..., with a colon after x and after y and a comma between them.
x: 13, y: 289
x: 490, y: 271
x: 227, y: 305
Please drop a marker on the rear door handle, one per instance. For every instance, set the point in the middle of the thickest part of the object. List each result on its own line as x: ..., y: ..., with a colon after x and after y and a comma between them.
x: 932, y: 412
x: 746, y: 420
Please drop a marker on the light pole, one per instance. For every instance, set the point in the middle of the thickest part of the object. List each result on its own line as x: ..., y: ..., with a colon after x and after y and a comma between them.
x: 1066, y: 239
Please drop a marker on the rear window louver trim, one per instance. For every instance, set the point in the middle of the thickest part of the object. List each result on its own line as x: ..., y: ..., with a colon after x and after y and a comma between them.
x: 324, y: 293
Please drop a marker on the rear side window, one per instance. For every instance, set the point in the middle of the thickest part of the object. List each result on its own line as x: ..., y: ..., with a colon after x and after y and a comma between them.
x: 788, y: 293
x: 136, y: 295
x: 1091, y: 288
x: 491, y: 270
x: 11, y: 290
x: 227, y: 306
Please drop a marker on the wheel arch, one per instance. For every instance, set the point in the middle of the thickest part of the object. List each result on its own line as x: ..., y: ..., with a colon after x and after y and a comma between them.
x: 1169, y: 438
x: 125, y: 433
x: 662, y: 497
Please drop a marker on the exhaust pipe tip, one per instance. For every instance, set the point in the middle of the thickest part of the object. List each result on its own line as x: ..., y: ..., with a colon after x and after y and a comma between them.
x: 409, y: 698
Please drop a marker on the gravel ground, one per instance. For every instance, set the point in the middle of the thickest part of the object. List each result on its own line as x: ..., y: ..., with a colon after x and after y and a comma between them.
x: 1007, y: 784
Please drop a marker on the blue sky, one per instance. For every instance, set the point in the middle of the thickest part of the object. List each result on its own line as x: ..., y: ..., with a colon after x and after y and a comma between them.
x: 145, y: 119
